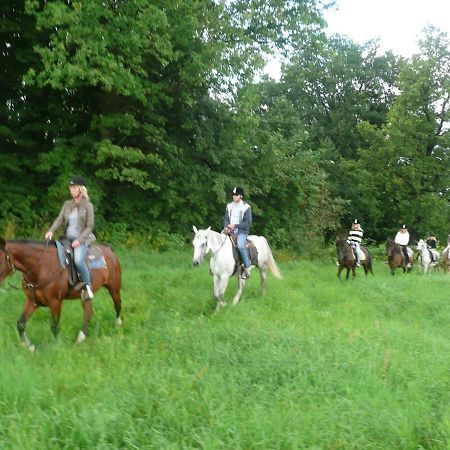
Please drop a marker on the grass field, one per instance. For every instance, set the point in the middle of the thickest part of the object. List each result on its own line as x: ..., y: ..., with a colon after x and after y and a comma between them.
x: 314, y: 364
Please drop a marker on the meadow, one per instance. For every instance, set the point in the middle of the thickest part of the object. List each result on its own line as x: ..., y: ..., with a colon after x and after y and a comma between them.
x: 314, y: 364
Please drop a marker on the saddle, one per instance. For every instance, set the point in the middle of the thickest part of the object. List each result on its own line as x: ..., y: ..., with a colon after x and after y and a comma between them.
x: 252, y: 252
x: 94, y: 260
x: 361, y: 255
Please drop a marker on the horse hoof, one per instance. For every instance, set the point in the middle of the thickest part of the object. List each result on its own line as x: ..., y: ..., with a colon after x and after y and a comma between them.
x: 81, y: 337
x: 32, y: 348
x: 118, y: 322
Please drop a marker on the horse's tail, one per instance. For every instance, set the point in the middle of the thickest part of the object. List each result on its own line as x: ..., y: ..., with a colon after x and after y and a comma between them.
x: 271, y: 261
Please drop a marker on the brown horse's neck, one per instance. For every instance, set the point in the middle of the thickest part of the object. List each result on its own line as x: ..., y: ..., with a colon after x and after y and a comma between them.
x: 31, y: 258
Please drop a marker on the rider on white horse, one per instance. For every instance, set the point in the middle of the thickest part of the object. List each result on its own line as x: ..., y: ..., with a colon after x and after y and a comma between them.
x: 238, y: 218
x: 355, y: 236
x: 432, y: 245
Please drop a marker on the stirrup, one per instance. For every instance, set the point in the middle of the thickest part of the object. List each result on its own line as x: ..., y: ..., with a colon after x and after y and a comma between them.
x: 245, y: 273
x: 87, y: 293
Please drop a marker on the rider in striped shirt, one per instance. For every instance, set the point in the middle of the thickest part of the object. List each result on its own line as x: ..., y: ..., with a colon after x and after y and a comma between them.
x: 355, y: 236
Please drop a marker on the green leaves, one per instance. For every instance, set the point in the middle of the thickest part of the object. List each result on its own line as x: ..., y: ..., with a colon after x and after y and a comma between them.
x: 122, y: 164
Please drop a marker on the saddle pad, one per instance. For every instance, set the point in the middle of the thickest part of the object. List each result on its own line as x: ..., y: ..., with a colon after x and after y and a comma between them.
x: 94, y: 258
x: 362, y: 255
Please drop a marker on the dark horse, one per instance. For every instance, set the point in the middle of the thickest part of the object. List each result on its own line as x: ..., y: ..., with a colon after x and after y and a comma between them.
x: 45, y: 283
x: 396, y: 257
x: 346, y: 258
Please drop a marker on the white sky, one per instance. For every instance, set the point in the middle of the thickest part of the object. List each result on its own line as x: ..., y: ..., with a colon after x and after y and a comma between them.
x: 397, y: 23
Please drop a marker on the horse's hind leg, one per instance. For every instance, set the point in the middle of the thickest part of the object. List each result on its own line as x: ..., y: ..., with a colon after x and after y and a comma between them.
x: 115, y: 295
x: 28, y: 310
x: 87, y: 309
x: 263, y: 272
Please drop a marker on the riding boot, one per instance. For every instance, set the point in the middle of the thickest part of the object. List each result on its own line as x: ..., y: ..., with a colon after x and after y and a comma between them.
x: 89, y: 293
x: 245, y: 273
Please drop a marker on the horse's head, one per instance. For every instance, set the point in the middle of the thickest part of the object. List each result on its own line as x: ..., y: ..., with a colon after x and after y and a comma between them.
x: 5, y: 263
x: 421, y: 245
x: 341, y: 249
x: 200, y: 244
x: 389, y: 247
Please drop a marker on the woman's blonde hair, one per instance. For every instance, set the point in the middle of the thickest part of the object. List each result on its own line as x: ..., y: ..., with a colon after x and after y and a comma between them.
x: 84, y: 192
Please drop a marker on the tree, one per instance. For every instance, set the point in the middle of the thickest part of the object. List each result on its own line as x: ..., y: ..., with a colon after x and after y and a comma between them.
x: 406, y: 161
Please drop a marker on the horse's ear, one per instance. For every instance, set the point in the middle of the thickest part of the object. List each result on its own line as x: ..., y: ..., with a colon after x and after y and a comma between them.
x: 195, y: 229
x: 208, y: 228
x: 2, y: 243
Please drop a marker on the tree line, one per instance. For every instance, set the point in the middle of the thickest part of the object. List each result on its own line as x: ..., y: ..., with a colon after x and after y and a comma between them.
x: 158, y: 105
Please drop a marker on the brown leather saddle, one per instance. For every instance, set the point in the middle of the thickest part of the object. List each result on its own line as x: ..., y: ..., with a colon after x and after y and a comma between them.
x: 252, y: 252
x: 94, y: 260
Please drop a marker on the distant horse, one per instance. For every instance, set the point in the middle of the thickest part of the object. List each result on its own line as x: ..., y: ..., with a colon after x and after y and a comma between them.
x: 425, y: 257
x: 446, y: 261
x: 396, y: 258
x: 223, y: 264
x: 45, y: 283
x: 346, y: 258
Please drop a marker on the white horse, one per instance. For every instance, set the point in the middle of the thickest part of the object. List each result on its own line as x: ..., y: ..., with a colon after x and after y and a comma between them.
x: 223, y: 265
x: 424, y: 257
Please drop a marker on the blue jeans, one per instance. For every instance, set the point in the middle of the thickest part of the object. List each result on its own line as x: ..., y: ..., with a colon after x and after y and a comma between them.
x: 243, y: 251
x: 79, y: 257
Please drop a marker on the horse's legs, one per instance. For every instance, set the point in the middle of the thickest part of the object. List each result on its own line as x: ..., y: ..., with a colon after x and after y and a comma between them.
x: 87, y: 308
x: 241, y: 285
x: 28, y: 310
x: 220, y: 284
x: 263, y: 272
x: 115, y: 295
x: 55, y: 311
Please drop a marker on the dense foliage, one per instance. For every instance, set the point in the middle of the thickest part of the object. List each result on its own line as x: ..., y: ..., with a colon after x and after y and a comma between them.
x: 156, y: 103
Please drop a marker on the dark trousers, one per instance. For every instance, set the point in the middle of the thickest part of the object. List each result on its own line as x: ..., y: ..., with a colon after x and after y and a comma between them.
x: 405, y: 253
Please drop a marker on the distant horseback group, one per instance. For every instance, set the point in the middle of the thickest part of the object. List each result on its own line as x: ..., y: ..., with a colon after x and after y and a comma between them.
x: 352, y: 254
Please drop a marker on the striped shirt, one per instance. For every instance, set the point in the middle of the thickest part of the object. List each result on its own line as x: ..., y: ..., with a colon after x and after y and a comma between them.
x: 355, y: 236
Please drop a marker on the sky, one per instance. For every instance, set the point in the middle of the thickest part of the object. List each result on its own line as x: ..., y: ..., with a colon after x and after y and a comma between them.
x: 396, y: 23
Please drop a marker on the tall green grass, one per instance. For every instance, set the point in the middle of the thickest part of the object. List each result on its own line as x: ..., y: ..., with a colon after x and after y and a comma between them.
x: 314, y: 364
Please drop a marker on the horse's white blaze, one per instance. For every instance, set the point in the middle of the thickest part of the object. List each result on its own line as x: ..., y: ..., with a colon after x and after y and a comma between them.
x: 222, y: 262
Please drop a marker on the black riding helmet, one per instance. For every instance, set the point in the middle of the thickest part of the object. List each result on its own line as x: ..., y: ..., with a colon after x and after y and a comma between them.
x: 78, y: 181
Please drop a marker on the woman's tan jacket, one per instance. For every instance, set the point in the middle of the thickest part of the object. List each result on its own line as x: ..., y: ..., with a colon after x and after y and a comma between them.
x: 85, y: 219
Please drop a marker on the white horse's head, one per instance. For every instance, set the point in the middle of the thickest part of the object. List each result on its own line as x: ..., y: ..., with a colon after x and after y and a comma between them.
x: 421, y: 245
x: 200, y: 243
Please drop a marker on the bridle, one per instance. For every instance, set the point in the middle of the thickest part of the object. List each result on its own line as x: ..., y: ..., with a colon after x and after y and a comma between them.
x: 27, y: 284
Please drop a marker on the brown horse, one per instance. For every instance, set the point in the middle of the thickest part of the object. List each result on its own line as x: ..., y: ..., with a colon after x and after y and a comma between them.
x: 45, y: 283
x: 346, y: 258
x: 396, y: 257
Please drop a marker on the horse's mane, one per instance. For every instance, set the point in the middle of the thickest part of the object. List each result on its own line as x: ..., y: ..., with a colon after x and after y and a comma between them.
x: 32, y: 242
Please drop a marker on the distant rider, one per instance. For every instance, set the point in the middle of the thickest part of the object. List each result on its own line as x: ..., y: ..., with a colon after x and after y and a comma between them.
x: 238, y: 218
x: 402, y: 239
x: 432, y: 245
x: 355, y: 236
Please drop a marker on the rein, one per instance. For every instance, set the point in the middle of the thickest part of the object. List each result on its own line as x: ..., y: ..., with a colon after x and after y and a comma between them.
x: 29, y: 285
